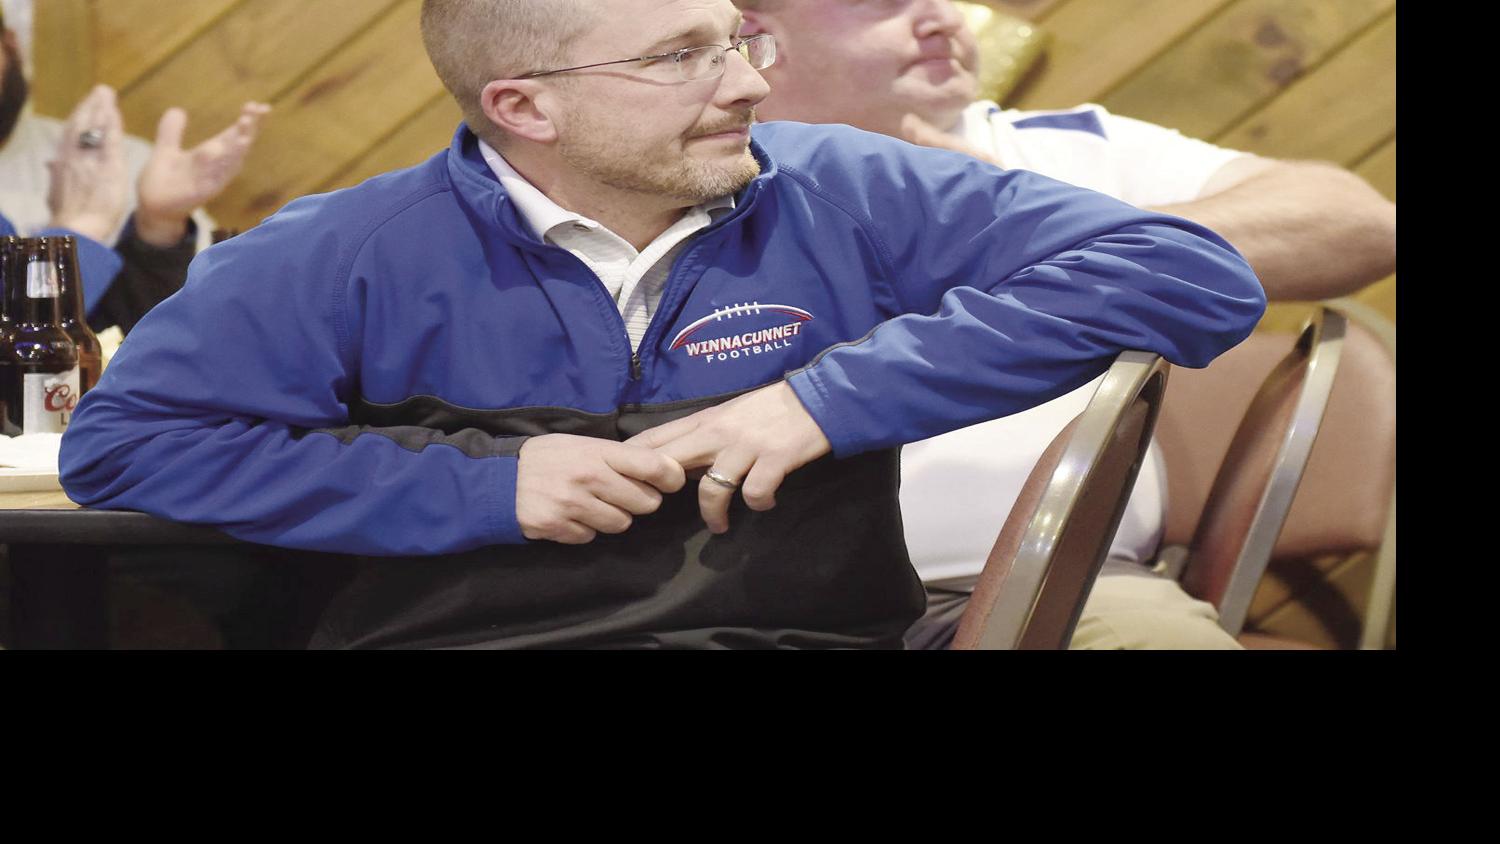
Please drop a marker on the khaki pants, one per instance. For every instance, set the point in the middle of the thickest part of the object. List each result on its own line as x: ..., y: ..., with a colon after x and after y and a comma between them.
x: 1128, y: 609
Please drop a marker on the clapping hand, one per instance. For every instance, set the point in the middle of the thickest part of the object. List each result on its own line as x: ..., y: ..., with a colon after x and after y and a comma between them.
x: 89, y: 182
x: 175, y: 181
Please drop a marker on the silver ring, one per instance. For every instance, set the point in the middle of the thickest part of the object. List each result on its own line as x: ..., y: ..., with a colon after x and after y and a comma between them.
x: 720, y: 480
x: 91, y: 139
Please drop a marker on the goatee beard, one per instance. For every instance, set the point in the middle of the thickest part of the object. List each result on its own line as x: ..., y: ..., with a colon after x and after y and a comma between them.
x: 13, y: 94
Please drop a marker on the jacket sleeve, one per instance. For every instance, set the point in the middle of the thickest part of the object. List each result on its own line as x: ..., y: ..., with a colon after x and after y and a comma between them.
x: 1011, y: 289
x: 229, y: 406
x: 149, y: 275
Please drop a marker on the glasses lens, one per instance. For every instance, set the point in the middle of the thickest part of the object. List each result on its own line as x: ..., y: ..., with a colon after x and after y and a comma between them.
x: 759, y: 51
x: 701, y: 63
x: 708, y: 62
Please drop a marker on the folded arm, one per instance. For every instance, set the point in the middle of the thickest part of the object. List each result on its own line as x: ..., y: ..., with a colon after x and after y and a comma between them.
x: 1017, y: 289
x: 230, y: 406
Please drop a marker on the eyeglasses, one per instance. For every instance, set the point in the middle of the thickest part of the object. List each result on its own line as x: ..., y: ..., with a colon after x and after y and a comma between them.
x: 696, y: 63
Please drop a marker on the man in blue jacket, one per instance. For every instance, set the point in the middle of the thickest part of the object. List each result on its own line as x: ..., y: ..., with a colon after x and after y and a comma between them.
x: 490, y: 373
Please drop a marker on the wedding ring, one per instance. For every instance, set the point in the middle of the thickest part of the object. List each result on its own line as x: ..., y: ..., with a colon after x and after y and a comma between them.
x: 92, y: 139
x: 720, y: 480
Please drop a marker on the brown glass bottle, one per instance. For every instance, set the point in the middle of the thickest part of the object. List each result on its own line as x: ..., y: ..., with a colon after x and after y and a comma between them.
x: 8, y: 247
x: 74, y: 321
x: 40, y: 388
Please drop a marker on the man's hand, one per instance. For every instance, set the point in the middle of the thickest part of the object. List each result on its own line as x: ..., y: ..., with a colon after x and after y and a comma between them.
x: 570, y: 489
x: 915, y: 130
x: 175, y: 181
x: 754, y: 441
x: 90, y: 183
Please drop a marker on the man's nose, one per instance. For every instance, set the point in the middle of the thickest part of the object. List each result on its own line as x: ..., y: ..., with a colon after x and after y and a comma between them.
x: 937, y: 17
x: 742, y: 84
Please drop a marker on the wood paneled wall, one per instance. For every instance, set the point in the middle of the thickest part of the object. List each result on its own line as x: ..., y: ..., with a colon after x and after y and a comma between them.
x: 355, y: 94
x: 1307, y: 79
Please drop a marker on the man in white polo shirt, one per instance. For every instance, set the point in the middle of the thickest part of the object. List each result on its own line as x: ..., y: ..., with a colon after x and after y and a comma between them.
x: 907, y: 68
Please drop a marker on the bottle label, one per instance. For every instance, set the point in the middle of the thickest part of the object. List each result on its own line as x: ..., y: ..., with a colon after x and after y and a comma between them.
x: 41, y: 280
x: 48, y: 400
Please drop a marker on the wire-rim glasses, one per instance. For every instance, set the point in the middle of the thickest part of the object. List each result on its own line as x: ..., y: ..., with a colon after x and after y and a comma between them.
x: 696, y: 63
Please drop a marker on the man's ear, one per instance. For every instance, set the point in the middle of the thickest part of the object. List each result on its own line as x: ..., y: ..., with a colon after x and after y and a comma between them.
x: 8, y: 38
x: 520, y: 107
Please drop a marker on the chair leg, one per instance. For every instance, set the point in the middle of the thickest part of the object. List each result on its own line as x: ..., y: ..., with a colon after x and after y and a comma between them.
x: 1382, y: 588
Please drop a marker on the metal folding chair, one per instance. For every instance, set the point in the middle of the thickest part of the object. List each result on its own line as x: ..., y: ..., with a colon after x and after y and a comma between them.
x: 1253, y: 490
x: 1043, y: 565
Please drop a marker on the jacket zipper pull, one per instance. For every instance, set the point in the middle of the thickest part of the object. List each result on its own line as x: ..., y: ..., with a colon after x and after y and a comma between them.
x: 635, y: 366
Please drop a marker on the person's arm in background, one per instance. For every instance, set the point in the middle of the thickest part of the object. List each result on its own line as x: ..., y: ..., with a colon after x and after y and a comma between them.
x: 175, y: 181
x: 89, y: 192
x: 147, y: 276
x: 89, y: 189
x: 160, y: 240
x: 1311, y: 230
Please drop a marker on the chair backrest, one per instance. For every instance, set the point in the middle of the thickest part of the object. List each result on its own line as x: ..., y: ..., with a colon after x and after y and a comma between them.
x: 1043, y: 565
x: 1330, y: 514
x: 1253, y: 490
x: 1345, y: 496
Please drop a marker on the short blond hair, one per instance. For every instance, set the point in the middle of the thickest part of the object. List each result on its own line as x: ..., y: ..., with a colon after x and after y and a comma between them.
x: 472, y: 42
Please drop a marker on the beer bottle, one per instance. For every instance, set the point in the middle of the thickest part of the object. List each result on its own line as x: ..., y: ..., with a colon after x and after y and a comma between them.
x: 41, y: 385
x: 74, y: 321
x: 8, y: 246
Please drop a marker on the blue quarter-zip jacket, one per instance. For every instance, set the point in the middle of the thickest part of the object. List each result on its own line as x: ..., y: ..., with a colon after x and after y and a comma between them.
x: 357, y: 374
x: 97, y: 264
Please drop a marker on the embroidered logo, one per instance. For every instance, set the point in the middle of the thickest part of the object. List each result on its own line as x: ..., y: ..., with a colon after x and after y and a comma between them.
x: 751, y: 333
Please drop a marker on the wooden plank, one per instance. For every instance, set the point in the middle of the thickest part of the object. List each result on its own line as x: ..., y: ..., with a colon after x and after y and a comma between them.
x: 1285, y: 317
x: 1238, y: 60
x: 44, y: 500
x: 1338, y: 112
x: 363, y: 92
x: 1379, y: 169
x: 1031, y: 10
x: 256, y: 51
x: 1097, y: 44
x: 425, y: 133
x: 1381, y: 296
x: 136, y: 35
x: 62, y: 55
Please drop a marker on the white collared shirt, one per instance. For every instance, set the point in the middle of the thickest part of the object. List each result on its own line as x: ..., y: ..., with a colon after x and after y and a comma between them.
x: 635, y: 280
